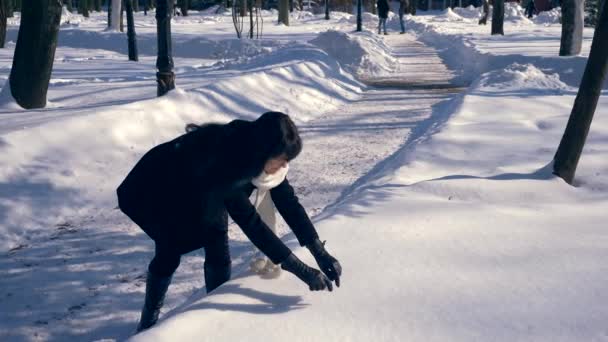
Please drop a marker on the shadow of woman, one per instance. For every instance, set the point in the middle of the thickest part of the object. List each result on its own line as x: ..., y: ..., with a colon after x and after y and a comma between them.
x: 270, y: 303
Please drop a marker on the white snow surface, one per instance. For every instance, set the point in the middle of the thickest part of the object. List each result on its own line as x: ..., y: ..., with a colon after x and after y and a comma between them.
x: 443, y: 212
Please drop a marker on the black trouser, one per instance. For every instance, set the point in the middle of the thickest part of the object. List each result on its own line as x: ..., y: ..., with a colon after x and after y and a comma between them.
x: 167, y: 258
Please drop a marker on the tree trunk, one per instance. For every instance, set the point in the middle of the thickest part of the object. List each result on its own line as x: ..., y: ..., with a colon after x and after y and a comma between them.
x: 131, y: 31
x: 250, y: 19
x: 326, y: 9
x: 429, y: 5
x: 183, y: 5
x: 136, y: 6
x: 9, y: 7
x: 146, y: 6
x: 84, y: 7
x: 486, y: 12
x: 573, y: 20
x: 284, y: 12
x: 2, y: 24
x: 243, y: 7
x: 116, y: 9
x: 413, y: 6
x: 97, y: 5
x: 35, y: 52
x: 68, y: 4
x: 498, y: 17
x: 164, y: 62
x: 572, y: 143
x: 122, y: 16
x: 359, y: 16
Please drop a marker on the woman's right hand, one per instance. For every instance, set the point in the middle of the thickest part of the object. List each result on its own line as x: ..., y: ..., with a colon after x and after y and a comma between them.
x: 315, y: 279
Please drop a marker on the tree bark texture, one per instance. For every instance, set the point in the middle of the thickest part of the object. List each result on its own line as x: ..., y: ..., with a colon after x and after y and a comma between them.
x: 573, y: 20
x: 164, y: 63
x: 3, y: 20
x: 35, y: 52
x: 284, y: 12
x: 572, y: 143
x: 498, y: 17
x: 132, y: 38
x: 116, y: 9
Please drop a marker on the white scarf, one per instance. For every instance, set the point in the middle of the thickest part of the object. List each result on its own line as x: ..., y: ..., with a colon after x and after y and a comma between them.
x: 263, y: 201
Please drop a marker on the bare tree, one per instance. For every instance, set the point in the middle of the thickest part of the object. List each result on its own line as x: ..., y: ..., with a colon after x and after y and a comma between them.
x: 573, y: 20
x: 131, y: 31
x: 83, y: 8
x: 572, y: 143
x: 35, y: 52
x: 183, y: 5
x: 115, y: 15
x: 498, y: 17
x: 359, y: 15
x: 9, y: 8
x: 3, y: 20
x: 284, y: 12
x: 164, y: 63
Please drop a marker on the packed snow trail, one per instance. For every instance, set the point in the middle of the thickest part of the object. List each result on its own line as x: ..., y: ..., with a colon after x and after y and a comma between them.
x: 101, y: 262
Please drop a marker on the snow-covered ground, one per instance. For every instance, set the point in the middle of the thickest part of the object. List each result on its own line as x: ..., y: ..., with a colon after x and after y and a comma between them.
x: 441, y: 208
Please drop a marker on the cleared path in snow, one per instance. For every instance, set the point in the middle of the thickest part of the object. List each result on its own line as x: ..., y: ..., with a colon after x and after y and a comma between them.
x: 101, y: 262
x: 345, y: 145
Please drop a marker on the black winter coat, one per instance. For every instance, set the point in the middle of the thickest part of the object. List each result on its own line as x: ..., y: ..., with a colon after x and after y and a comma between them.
x: 383, y: 8
x: 180, y: 192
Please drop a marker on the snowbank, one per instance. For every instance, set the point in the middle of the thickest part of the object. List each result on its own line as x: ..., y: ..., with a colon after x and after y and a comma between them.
x: 478, y: 52
x: 49, y: 179
x: 463, y: 235
x: 549, y: 17
x: 360, y: 53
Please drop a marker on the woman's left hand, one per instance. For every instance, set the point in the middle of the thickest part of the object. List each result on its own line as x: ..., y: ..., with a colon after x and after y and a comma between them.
x: 327, y: 263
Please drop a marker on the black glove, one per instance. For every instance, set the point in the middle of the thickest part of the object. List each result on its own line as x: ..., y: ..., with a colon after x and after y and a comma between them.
x: 316, y: 280
x: 328, y: 264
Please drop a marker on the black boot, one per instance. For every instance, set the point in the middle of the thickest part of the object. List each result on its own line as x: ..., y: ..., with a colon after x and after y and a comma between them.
x: 156, y: 288
x: 216, y: 275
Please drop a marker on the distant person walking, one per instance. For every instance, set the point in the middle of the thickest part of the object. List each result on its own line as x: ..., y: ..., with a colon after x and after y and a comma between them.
x: 383, y: 7
x: 403, y: 7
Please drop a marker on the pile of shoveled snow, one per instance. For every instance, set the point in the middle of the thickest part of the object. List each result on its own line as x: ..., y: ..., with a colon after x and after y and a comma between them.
x: 449, y: 16
x: 53, y: 179
x: 553, y: 16
x: 518, y: 77
x: 468, y: 12
x: 516, y: 14
x: 359, y: 53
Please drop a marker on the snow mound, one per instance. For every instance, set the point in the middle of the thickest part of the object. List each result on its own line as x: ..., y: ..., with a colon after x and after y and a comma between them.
x: 359, y: 53
x: 549, y: 17
x: 194, y: 48
x: 469, y: 12
x: 68, y: 18
x: 7, y: 101
x: 518, y: 77
x: 449, y: 16
x: 515, y: 14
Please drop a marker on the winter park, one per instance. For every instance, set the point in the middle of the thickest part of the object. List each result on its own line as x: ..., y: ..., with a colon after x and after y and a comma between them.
x: 338, y: 170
